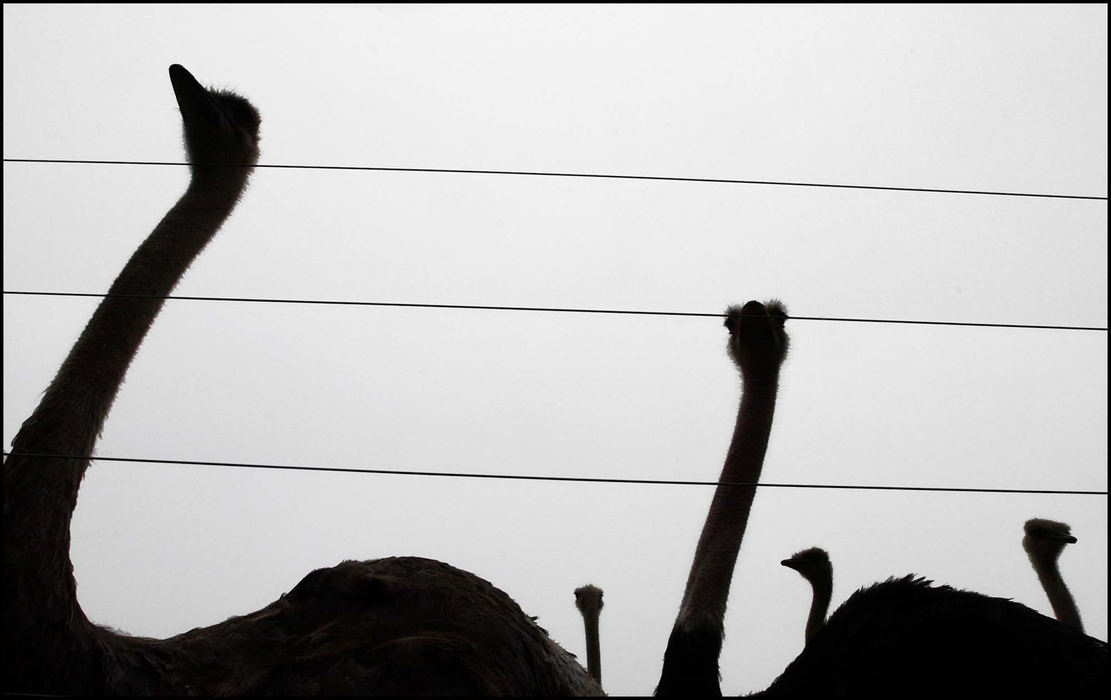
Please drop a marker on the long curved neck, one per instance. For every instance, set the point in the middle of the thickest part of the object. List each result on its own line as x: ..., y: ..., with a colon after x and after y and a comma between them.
x: 819, y: 605
x: 73, y: 408
x: 43, y: 619
x: 691, y: 659
x: 1064, y: 607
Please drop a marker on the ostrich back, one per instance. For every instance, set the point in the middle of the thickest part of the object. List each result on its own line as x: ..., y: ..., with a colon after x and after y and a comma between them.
x: 906, y: 638
x: 395, y: 626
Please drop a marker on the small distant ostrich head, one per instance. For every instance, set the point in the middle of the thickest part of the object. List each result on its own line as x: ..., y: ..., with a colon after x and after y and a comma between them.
x: 1044, y: 542
x: 760, y: 326
x: 812, y: 563
x: 588, y: 599
x: 814, y: 566
x: 1045, y: 539
x: 220, y: 127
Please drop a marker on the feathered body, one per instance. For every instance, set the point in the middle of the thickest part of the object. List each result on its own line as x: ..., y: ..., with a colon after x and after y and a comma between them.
x: 396, y: 626
x: 908, y: 638
x: 899, y: 638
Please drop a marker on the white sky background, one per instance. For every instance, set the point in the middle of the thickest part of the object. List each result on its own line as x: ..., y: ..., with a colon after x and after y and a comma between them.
x: 1002, y: 98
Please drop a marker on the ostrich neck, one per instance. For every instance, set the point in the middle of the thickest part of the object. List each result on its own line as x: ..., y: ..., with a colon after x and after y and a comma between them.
x: 691, y: 659
x: 42, y: 615
x: 73, y: 408
x: 720, y: 542
x: 593, y: 646
x: 1064, y: 607
x: 819, y: 606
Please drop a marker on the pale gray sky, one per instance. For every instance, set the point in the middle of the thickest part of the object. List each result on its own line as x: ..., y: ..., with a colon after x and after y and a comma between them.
x: 1000, y: 97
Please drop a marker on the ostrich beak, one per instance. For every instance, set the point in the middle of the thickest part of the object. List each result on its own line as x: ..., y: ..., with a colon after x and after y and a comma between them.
x: 1068, y: 538
x: 789, y: 564
x: 192, y: 98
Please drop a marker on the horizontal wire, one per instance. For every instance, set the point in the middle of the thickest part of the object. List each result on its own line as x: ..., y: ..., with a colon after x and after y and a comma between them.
x: 657, y: 178
x: 577, y: 479
x: 544, y: 308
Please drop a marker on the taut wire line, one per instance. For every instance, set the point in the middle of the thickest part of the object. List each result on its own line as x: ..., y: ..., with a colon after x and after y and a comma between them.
x: 549, y: 309
x: 609, y: 176
x: 578, y: 479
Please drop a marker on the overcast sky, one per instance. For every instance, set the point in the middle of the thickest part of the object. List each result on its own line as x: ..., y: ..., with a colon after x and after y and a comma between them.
x: 1001, y: 98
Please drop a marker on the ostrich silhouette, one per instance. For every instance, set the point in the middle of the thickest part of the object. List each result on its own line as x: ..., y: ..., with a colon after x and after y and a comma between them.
x: 902, y: 636
x: 588, y: 599
x: 757, y: 345
x: 1044, y: 540
x: 394, y: 626
x: 815, y: 567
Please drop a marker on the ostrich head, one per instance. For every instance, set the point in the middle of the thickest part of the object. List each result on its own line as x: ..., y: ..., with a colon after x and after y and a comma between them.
x: 220, y: 127
x: 588, y: 599
x: 757, y: 340
x: 1045, y: 539
x: 812, y: 563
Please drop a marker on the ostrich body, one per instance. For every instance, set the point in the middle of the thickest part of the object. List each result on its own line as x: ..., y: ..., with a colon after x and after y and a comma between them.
x: 901, y: 637
x: 588, y: 599
x: 401, y: 626
x: 906, y: 637
x: 815, y: 567
x: 1044, y: 540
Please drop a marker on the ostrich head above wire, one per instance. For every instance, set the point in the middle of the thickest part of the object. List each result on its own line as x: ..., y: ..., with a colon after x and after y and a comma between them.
x: 220, y: 126
x: 764, y: 345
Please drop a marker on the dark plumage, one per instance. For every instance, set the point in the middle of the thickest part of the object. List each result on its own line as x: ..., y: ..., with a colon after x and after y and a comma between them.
x: 397, y: 626
x: 909, y: 638
x: 900, y: 638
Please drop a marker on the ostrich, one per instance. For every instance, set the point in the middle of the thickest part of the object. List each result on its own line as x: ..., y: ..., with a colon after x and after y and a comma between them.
x: 815, y: 567
x: 902, y: 636
x: 400, y: 625
x: 588, y: 599
x: 1044, y: 541
x: 757, y: 345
